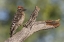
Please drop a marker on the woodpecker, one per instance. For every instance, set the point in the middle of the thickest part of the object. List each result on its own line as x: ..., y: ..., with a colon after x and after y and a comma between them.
x: 17, y: 20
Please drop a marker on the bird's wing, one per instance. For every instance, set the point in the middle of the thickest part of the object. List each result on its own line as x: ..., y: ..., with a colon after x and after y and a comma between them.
x: 15, y: 20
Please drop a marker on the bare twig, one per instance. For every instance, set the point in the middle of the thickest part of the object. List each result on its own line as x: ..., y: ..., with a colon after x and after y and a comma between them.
x: 34, y: 25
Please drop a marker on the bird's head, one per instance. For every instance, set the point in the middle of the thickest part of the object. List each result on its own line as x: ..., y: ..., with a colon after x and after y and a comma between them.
x: 20, y: 8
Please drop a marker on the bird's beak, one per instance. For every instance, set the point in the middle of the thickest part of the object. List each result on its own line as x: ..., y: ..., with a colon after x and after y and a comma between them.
x: 24, y: 9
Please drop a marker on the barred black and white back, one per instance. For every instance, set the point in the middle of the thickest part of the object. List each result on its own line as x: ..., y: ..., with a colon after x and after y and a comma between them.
x: 17, y: 20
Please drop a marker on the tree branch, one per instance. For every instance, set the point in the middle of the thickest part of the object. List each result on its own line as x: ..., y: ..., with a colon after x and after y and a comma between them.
x: 32, y: 19
x: 32, y: 26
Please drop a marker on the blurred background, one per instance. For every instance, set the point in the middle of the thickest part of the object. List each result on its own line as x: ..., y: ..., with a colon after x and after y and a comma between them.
x: 49, y: 10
